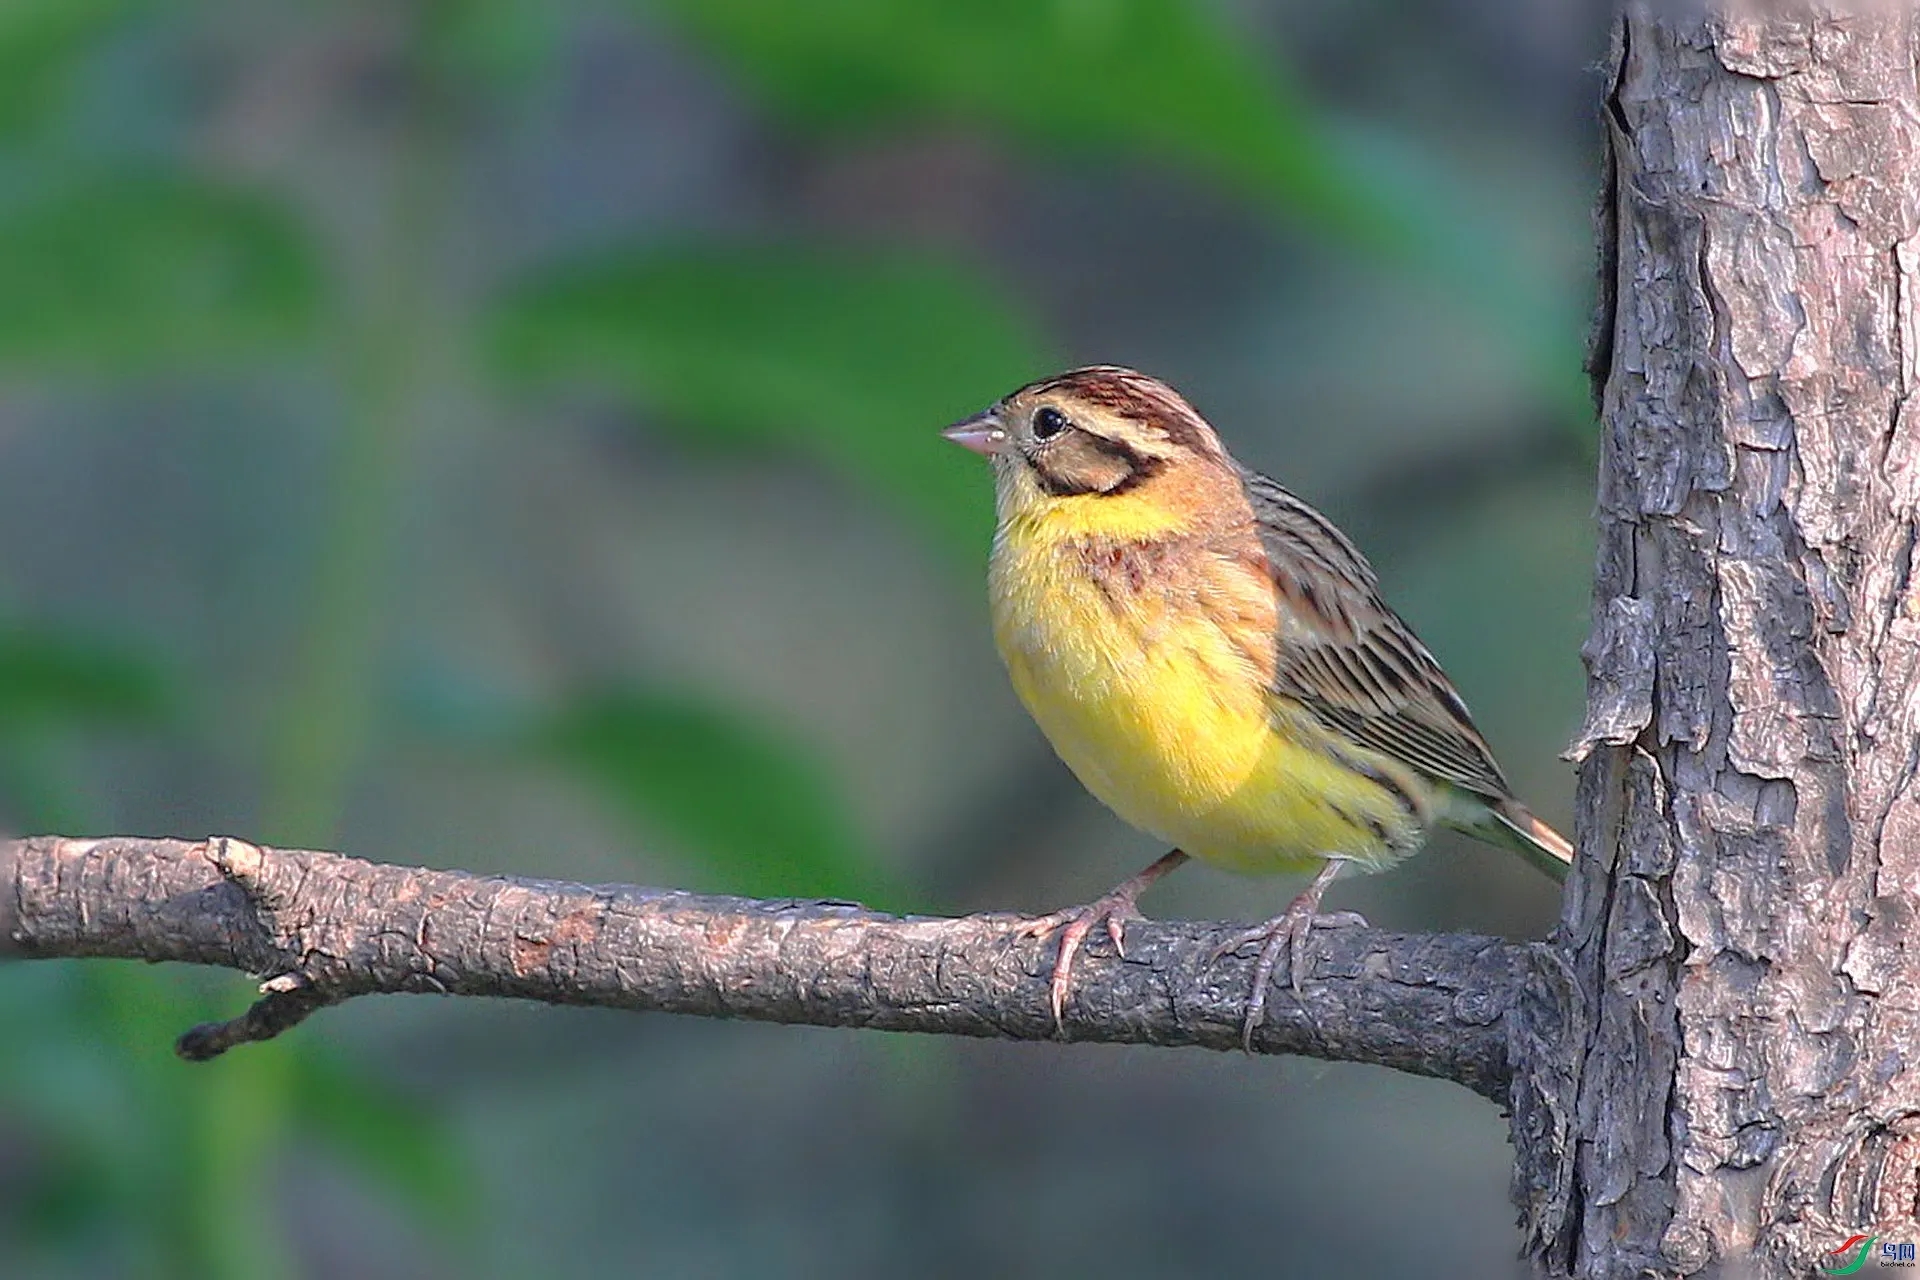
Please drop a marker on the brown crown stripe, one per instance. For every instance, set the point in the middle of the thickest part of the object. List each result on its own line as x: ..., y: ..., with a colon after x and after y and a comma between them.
x: 1132, y: 394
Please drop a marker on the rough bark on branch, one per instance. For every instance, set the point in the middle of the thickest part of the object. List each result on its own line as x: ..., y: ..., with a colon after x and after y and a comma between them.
x: 321, y: 928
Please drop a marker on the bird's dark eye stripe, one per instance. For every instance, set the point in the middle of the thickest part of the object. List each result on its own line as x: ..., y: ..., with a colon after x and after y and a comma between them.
x: 1048, y: 422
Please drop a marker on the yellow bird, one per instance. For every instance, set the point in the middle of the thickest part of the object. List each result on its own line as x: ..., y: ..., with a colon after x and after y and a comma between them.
x: 1212, y: 659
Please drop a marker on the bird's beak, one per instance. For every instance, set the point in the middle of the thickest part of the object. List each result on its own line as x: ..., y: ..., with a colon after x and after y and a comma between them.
x: 981, y: 433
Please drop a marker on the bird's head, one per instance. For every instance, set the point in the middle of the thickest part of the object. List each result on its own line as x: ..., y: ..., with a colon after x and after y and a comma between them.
x: 1076, y: 444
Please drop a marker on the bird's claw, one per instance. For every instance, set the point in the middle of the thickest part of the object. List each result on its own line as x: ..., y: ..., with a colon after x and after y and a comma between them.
x: 1287, y: 932
x: 1074, y: 923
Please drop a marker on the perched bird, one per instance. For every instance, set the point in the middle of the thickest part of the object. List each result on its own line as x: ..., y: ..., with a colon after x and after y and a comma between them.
x: 1212, y: 659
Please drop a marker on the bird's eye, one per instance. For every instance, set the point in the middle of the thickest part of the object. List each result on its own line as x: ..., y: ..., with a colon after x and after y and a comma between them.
x: 1048, y: 422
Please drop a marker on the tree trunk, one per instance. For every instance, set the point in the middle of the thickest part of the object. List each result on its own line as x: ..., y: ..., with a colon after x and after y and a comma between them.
x: 1746, y: 994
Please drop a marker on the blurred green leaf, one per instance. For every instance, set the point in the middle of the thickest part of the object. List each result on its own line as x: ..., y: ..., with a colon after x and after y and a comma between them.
x: 400, y: 1144
x: 208, y: 1134
x: 146, y: 1141
x: 35, y: 793
x: 51, y: 677
x: 501, y: 44
x: 40, y: 41
x: 132, y: 273
x: 1165, y: 76
x: 856, y: 360
x: 754, y: 806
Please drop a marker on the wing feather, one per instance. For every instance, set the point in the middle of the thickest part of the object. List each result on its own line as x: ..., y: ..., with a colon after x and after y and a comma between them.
x: 1351, y: 661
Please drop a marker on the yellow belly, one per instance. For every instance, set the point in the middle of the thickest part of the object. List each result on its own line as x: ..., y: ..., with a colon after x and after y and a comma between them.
x: 1165, y: 721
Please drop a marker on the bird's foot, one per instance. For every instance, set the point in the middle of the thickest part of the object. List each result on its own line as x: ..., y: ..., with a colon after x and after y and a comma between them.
x: 1286, y: 934
x: 1112, y: 910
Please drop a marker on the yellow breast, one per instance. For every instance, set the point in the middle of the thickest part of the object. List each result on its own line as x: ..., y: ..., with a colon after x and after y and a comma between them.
x: 1148, y: 672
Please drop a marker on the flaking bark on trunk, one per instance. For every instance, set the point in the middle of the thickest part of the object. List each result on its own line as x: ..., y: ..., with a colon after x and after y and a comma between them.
x: 1743, y: 982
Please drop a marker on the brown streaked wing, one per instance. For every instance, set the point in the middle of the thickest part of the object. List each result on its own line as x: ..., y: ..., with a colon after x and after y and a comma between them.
x: 1355, y: 666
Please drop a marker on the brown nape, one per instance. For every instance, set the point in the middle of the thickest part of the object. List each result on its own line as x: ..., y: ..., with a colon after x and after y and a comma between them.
x: 1079, y: 462
x: 1132, y: 395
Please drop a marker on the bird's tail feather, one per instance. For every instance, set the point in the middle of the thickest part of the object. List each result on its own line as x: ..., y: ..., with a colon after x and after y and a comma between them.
x: 1515, y: 827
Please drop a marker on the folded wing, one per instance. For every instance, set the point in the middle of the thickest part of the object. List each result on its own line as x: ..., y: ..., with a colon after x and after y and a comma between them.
x: 1350, y: 661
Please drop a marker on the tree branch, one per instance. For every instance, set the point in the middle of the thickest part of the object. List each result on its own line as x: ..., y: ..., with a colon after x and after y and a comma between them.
x: 322, y: 928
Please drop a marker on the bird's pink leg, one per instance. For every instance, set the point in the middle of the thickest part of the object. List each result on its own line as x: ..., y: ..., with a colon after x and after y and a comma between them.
x: 1112, y: 909
x: 1286, y: 932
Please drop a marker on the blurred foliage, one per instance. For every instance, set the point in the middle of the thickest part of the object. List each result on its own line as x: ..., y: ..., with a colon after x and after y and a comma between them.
x: 124, y: 1125
x: 1162, y: 76
x: 52, y: 679
x: 41, y: 41
x: 55, y: 683
x: 398, y: 1141
x: 497, y: 46
x: 1169, y: 79
x: 756, y: 808
x: 822, y: 354
x: 136, y: 273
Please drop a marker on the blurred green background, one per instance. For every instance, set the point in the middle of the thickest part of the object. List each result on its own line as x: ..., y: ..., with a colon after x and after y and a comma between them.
x: 502, y: 434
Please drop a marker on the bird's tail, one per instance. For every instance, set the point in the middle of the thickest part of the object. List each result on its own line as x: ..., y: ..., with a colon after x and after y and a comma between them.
x: 1514, y: 827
